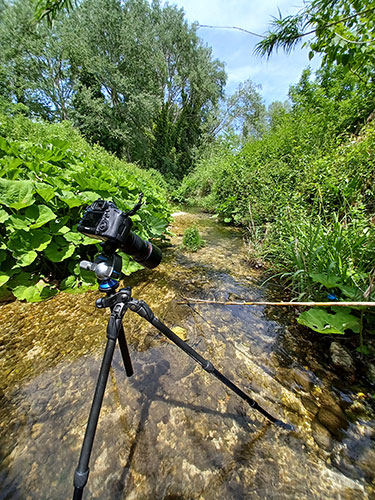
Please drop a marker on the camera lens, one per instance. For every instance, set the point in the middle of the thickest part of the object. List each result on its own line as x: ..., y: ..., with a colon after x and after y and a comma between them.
x: 144, y: 252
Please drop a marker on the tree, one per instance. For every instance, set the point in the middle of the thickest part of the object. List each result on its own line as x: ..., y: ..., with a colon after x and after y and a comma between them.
x: 276, y: 113
x: 243, y: 113
x: 342, y: 31
x: 192, y: 86
x: 120, y: 70
x: 33, y: 63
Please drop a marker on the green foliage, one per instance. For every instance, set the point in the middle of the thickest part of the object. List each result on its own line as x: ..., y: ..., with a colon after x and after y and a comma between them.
x: 337, y: 253
x: 131, y: 75
x: 51, y: 8
x: 337, y: 322
x: 343, y: 32
x: 44, y: 186
x: 192, y: 240
x: 305, y: 191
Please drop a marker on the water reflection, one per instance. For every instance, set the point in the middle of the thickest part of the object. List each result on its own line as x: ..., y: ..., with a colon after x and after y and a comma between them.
x: 172, y: 431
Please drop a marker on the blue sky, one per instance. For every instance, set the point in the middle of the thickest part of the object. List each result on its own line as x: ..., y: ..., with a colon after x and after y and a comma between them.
x: 235, y: 48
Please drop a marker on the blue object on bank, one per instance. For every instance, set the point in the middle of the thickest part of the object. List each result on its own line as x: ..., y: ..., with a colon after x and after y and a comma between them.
x: 331, y: 296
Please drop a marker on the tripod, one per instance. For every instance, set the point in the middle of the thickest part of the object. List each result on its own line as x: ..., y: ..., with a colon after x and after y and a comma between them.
x: 119, y: 302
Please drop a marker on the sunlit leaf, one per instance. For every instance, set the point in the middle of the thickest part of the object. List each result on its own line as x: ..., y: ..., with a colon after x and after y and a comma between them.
x: 34, y: 293
x: 327, y: 280
x: 4, y: 277
x: 25, y: 259
x: 41, y: 214
x: 3, y: 215
x: 16, y: 194
x: 322, y: 321
x: 45, y: 191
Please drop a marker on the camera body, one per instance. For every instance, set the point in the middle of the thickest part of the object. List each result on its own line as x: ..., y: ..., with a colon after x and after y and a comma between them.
x: 104, y: 221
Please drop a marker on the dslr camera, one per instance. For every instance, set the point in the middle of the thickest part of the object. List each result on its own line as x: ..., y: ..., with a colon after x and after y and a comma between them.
x: 104, y: 221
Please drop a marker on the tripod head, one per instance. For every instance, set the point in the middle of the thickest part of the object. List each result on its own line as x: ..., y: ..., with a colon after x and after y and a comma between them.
x: 107, y: 268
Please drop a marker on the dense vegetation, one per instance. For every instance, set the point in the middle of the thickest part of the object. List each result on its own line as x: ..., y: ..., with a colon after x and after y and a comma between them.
x: 305, y: 191
x: 48, y: 174
x: 132, y: 76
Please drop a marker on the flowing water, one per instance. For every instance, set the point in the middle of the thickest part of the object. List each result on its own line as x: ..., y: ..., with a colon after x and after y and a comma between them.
x: 172, y: 431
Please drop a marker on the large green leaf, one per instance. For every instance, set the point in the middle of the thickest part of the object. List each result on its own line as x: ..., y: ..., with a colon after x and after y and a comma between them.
x: 34, y: 293
x: 71, y: 199
x: 34, y: 217
x: 11, y: 163
x: 89, y: 196
x: 327, y: 280
x: 16, y: 194
x: 58, y: 226
x: 3, y: 215
x: 68, y: 282
x: 4, y: 277
x: 23, y: 241
x: 352, y: 293
x: 322, y: 321
x: 45, y: 191
x: 93, y: 183
x: 128, y: 264
x: 41, y: 214
x: 59, y: 249
x: 18, y: 222
x: 158, y: 227
x: 25, y: 259
x: 22, y: 278
x: 4, y: 146
x: 73, y: 237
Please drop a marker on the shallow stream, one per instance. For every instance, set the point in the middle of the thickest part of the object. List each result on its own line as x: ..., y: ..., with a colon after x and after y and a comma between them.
x: 172, y: 431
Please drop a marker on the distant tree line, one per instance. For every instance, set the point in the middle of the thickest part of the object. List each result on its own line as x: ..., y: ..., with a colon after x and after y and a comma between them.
x: 133, y: 77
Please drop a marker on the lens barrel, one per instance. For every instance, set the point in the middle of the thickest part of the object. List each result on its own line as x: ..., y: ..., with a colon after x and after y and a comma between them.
x: 144, y: 252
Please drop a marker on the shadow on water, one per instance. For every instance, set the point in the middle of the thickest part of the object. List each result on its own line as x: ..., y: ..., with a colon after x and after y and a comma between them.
x: 172, y: 431
x: 147, y: 386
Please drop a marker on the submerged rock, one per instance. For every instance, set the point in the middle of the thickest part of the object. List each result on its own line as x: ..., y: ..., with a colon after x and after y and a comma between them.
x: 321, y: 435
x: 303, y: 379
x: 333, y: 419
x: 310, y: 405
x: 342, y: 359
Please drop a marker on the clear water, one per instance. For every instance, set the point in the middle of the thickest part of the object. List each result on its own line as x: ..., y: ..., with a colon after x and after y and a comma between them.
x: 172, y: 431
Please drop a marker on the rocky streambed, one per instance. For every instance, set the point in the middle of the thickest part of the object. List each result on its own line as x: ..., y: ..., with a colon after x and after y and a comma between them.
x: 172, y: 431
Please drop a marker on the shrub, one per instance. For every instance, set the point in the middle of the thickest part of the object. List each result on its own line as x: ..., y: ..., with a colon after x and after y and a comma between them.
x: 46, y: 180
x: 192, y: 240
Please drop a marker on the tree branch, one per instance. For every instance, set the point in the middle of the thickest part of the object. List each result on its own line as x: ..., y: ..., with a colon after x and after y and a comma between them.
x: 231, y: 28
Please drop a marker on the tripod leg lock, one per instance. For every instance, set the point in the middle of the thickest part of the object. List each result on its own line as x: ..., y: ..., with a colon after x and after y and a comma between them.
x: 141, y: 308
x: 208, y: 366
x: 80, y: 479
x: 115, y: 320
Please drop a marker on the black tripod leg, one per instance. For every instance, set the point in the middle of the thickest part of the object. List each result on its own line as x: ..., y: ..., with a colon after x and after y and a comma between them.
x: 113, y: 329
x: 125, y: 352
x: 143, y: 310
x: 82, y: 472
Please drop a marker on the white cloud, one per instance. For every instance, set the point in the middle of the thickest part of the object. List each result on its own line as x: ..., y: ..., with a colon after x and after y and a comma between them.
x: 235, y: 48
